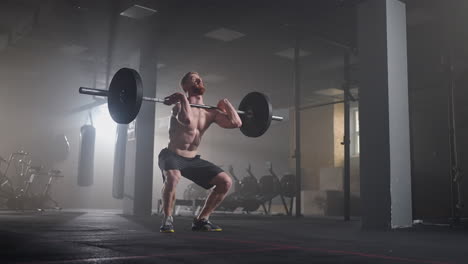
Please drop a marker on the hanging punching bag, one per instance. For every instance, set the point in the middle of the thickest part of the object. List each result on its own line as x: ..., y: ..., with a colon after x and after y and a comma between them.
x: 86, y: 157
x: 119, y: 162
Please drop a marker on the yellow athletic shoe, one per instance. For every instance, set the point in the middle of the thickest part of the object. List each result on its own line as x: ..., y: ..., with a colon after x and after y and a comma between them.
x: 205, y: 225
x: 166, y: 229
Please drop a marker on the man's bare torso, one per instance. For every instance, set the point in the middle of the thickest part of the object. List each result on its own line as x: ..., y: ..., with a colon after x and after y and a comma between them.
x: 184, y: 140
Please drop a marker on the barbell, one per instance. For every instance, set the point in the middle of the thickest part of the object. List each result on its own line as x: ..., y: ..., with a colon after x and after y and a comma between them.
x: 125, y: 96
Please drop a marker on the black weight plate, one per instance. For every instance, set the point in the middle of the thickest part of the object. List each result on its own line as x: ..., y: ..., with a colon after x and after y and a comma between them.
x: 258, y: 115
x: 125, y: 95
x: 269, y: 186
x: 249, y: 186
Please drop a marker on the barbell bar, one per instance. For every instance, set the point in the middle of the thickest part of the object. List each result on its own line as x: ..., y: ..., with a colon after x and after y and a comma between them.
x: 100, y: 92
x: 125, y: 96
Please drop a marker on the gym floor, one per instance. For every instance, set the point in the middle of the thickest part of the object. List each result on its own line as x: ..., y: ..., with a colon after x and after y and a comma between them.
x: 103, y: 236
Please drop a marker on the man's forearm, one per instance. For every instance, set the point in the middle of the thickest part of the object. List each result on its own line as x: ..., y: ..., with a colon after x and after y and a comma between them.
x: 232, y: 114
x: 185, y: 114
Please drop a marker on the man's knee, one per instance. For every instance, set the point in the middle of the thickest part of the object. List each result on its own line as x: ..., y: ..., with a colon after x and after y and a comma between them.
x: 223, y: 183
x: 172, y: 179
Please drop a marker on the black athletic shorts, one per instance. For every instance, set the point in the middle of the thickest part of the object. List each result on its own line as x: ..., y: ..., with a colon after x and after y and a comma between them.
x: 195, y: 169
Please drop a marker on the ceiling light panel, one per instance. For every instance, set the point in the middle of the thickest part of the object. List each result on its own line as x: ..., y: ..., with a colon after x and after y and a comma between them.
x: 224, y: 34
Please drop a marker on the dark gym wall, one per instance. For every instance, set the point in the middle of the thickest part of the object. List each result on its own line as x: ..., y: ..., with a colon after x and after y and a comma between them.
x: 429, y: 42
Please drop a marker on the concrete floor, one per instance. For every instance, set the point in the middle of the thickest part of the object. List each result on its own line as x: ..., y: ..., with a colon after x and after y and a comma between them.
x: 100, y: 236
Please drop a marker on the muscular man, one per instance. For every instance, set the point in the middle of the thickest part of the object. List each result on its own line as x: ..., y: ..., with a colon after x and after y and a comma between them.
x: 187, y: 126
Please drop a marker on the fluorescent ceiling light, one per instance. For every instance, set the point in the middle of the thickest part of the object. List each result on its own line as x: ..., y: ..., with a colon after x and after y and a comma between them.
x: 224, y: 34
x: 138, y: 12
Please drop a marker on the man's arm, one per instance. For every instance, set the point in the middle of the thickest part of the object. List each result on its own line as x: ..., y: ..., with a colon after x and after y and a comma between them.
x: 226, y: 116
x: 181, y: 110
x: 185, y: 115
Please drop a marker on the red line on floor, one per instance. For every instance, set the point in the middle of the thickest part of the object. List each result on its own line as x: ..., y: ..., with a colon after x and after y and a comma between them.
x: 323, y: 250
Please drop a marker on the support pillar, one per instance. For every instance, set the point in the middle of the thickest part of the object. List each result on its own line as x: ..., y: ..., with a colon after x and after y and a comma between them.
x: 384, y: 115
x: 138, y: 192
